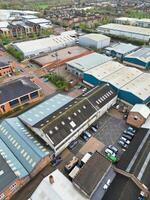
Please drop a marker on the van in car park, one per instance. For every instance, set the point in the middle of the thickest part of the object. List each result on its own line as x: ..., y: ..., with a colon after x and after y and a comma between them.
x: 108, y: 151
x: 127, y: 136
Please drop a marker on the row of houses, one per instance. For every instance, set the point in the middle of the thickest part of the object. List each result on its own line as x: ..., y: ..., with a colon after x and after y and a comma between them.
x: 26, y: 25
x: 7, y: 68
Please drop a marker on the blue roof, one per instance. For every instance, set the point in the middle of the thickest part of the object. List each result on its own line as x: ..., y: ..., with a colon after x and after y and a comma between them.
x: 122, y: 48
x: 89, y: 61
x: 12, y: 161
x: 44, y: 109
x: 26, y: 135
x: 22, y: 151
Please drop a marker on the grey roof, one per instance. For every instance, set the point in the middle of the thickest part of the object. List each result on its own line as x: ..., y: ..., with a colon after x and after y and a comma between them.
x: 12, y: 161
x: 7, y: 176
x: 44, y: 109
x: 122, y: 48
x: 16, y: 88
x: 92, y: 173
x: 68, y: 118
x: 2, y: 64
x: 26, y: 155
x: 142, y: 54
x: 89, y: 61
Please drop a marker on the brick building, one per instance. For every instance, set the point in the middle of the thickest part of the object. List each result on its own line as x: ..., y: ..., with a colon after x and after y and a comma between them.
x: 6, y: 69
x: 18, y: 92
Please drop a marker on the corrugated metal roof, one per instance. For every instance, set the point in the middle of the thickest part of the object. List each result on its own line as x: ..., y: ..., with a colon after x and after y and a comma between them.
x: 12, y: 161
x: 19, y: 147
x: 96, y: 37
x: 141, y: 54
x: 89, y: 61
x: 127, y: 28
x: 44, y: 109
x: 31, y: 139
x: 122, y: 48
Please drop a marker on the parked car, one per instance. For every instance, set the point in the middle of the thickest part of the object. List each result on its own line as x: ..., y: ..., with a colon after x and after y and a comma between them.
x: 73, y: 144
x: 130, y: 134
x: 56, y: 161
x: 95, y: 125
x: 113, y: 148
x: 131, y: 129
x: 87, y: 133
x: 125, y: 140
x: 108, y: 151
x: 122, y: 144
x: 127, y: 137
x: 93, y: 129
x: 84, y: 136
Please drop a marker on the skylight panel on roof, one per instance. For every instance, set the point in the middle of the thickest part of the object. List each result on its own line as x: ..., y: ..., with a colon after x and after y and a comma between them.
x: 72, y: 124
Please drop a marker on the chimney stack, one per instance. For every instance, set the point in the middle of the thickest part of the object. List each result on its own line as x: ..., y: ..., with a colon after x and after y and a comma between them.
x: 51, y: 179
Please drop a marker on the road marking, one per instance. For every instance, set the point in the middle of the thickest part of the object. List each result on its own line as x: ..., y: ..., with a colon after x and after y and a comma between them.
x: 140, y: 175
x: 137, y: 152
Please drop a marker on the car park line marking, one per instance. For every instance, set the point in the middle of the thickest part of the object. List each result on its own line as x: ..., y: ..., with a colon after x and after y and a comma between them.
x: 140, y: 175
x: 137, y: 152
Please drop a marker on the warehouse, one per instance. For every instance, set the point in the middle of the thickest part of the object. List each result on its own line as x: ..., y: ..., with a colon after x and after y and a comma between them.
x: 120, y: 50
x: 92, y: 40
x: 66, y: 122
x: 132, y: 85
x: 80, y: 65
x: 143, y: 23
x: 23, y: 151
x: 139, y: 58
x: 133, y: 32
x: 18, y: 92
x: 44, y: 45
x: 60, y: 57
x: 126, y: 21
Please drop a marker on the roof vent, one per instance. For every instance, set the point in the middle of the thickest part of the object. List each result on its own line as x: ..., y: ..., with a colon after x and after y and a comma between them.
x: 51, y: 179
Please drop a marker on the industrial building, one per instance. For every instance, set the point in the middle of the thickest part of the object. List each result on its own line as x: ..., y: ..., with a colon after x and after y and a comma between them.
x: 80, y: 65
x: 133, y: 32
x: 99, y: 169
x: 138, y: 115
x: 145, y: 23
x: 132, y: 85
x: 44, y: 45
x: 57, y: 186
x: 92, y: 40
x: 52, y: 60
x: 23, y: 156
x: 67, y: 118
x: 139, y: 58
x: 120, y: 50
x: 18, y: 92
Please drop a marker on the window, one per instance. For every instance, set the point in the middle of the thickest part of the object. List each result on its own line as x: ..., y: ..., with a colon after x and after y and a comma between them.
x: 75, y: 114
x: 84, y: 107
x: 24, y: 99
x: 56, y: 128
x: 69, y: 118
x: 72, y: 124
x: 63, y: 123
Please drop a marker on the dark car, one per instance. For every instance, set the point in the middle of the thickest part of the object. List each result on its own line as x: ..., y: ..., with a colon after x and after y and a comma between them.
x: 122, y: 144
x: 56, y: 161
x: 127, y: 137
x: 72, y: 144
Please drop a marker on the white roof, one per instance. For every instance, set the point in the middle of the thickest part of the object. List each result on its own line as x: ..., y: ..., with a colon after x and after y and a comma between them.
x: 105, y: 69
x: 43, y: 44
x: 71, y: 33
x: 61, y: 189
x: 29, y: 17
x: 142, y: 109
x: 4, y: 24
x: 122, y: 48
x: 130, y: 19
x: 144, y: 20
x: 43, y: 25
x: 86, y: 157
x: 96, y: 37
x: 147, y: 123
x: 140, y: 86
x: 127, y: 28
x: 122, y: 76
x: 39, y: 20
x: 141, y: 54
